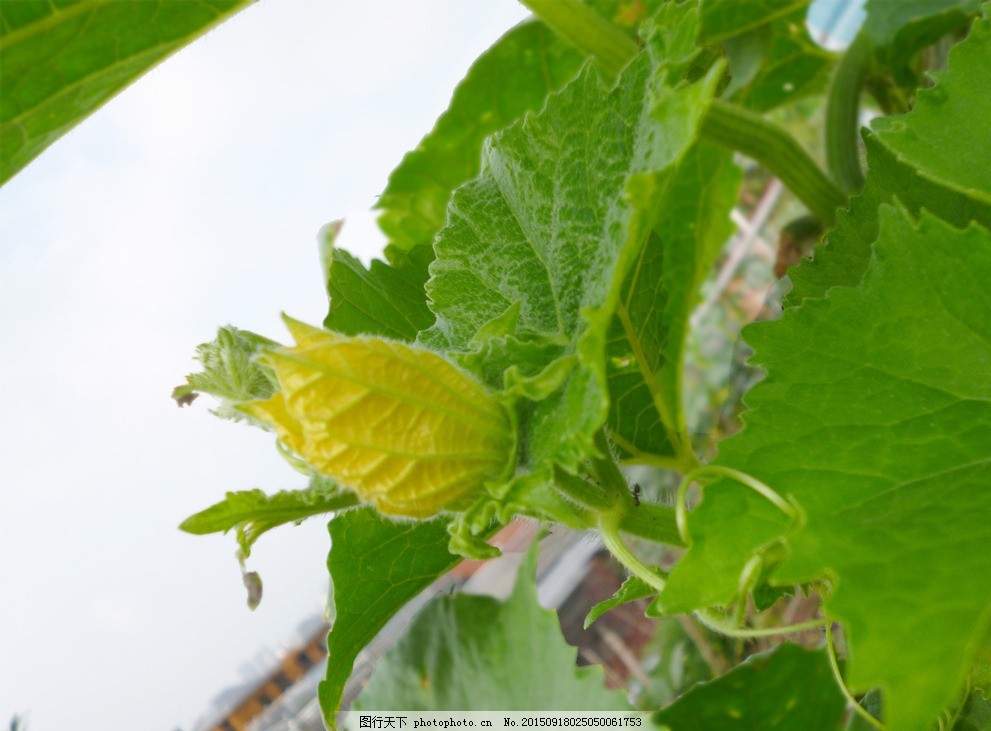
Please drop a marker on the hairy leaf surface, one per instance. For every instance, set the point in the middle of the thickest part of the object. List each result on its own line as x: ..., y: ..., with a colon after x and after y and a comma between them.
x: 785, y: 689
x: 253, y: 512
x: 475, y: 653
x: 62, y: 60
x: 878, y: 428
x: 231, y: 371
x: 515, y: 75
x: 556, y: 218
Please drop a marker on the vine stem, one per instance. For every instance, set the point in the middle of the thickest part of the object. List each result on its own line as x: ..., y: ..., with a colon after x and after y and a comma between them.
x: 681, y: 508
x: 835, y: 665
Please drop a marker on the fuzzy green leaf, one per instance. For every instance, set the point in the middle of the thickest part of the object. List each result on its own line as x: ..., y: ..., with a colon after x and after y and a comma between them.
x: 62, y: 60
x: 785, y: 689
x: 878, y: 428
x: 514, y: 76
x: 231, y: 371
x: 474, y: 653
x: 376, y: 566
x: 253, y: 512
x: 554, y: 234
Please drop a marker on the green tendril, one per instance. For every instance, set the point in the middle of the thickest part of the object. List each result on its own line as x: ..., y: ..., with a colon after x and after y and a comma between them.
x: 835, y: 665
x: 609, y: 531
x: 681, y: 507
x: 720, y: 625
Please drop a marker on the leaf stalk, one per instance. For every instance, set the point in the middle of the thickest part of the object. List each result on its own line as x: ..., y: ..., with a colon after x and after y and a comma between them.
x: 842, y: 106
x: 587, y: 31
x: 738, y: 129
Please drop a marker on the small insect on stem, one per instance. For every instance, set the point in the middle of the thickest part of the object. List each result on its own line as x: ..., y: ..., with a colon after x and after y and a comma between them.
x: 636, y: 494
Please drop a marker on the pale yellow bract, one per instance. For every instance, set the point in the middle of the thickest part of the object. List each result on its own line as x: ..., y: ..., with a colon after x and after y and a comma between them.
x: 408, y: 431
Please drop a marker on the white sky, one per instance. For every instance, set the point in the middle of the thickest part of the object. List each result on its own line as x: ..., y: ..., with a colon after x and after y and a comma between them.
x: 190, y: 201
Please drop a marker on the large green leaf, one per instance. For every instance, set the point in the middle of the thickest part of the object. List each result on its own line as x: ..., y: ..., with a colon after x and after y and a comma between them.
x: 647, y: 337
x: 788, y: 688
x: 554, y: 233
x: 61, y: 60
x: 878, y: 428
x: 928, y: 158
x: 376, y: 566
x: 515, y: 75
x: 474, y: 653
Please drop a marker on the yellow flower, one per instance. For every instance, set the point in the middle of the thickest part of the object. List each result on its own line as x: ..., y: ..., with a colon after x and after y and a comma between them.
x: 404, y: 428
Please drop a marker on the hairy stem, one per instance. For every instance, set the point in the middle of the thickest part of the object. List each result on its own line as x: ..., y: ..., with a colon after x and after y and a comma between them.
x: 734, y: 127
x: 653, y: 522
x: 842, y: 106
x: 588, y: 31
x: 582, y: 491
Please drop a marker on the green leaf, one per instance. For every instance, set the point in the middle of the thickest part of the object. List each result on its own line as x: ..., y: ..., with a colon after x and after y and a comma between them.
x: 253, y: 512
x: 555, y: 234
x: 787, y: 688
x: 877, y: 428
x: 925, y: 159
x: 777, y: 64
x: 975, y: 714
x: 631, y: 590
x: 885, y: 19
x: 61, y: 60
x: 474, y: 653
x: 514, y: 76
x: 937, y: 148
x: 231, y: 371
x: 901, y: 29
x: 376, y: 566
x: 385, y: 299
x: 647, y: 337
x: 772, y: 58
x: 722, y: 19
x: 403, y: 427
